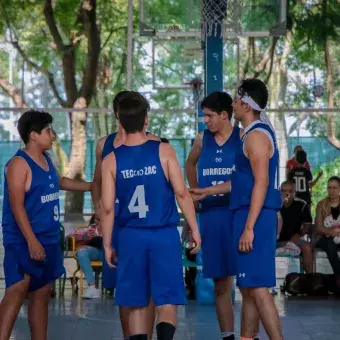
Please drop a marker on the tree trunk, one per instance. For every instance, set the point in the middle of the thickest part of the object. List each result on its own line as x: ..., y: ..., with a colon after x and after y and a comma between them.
x: 278, y: 85
x: 330, y: 95
x: 74, y: 201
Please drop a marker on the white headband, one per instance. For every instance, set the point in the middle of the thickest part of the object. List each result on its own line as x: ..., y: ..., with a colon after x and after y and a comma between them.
x: 263, y: 115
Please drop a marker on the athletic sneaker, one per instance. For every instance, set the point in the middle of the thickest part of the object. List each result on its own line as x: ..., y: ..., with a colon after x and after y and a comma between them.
x: 91, y: 293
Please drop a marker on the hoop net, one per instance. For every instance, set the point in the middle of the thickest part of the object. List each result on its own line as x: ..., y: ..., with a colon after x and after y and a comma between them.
x: 223, y: 14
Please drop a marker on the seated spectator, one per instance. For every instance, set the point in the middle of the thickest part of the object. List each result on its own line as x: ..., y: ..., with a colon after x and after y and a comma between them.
x: 295, y: 213
x: 303, y: 178
x: 89, y: 243
x: 328, y: 223
x: 292, y: 163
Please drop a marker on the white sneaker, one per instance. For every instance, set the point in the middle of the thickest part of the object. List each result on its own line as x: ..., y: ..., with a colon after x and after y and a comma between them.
x: 91, y: 293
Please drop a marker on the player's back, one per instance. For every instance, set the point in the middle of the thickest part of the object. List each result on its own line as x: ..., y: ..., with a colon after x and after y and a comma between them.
x: 41, y: 204
x: 301, y: 176
x: 146, y: 197
x: 243, y: 179
x: 216, y: 164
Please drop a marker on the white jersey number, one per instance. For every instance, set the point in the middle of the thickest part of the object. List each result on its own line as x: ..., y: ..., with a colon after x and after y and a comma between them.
x: 56, y: 213
x: 137, y: 203
x: 215, y: 183
x: 300, y: 184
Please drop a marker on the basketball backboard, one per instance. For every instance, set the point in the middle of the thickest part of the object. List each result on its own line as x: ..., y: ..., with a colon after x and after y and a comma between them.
x: 182, y: 18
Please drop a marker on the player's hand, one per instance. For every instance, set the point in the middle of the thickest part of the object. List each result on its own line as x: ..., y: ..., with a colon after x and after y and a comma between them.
x: 246, y: 240
x: 36, y: 250
x: 195, y: 242
x: 198, y: 194
x: 110, y: 257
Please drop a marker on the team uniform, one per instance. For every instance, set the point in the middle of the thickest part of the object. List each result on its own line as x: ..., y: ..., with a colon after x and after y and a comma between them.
x: 257, y: 267
x: 42, y: 208
x: 149, y: 261
x: 301, y: 177
x: 216, y: 165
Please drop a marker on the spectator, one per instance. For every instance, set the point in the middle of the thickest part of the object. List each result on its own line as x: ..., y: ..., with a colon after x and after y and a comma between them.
x: 292, y: 163
x: 328, y: 223
x: 295, y: 213
x: 89, y: 244
x: 303, y: 177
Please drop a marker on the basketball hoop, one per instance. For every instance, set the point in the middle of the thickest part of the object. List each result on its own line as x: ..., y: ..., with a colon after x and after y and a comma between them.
x: 197, y: 88
x: 226, y: 14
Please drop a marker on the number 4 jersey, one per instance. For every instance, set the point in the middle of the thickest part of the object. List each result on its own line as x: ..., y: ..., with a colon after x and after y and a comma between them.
x: 41, y: 205
x: 146, y: 198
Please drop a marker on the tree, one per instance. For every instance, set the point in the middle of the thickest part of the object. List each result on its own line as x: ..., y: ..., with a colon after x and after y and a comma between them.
x: 68, y: 34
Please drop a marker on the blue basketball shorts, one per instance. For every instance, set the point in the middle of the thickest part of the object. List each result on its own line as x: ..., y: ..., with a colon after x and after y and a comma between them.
x: 256, y: 268
x: 17, y: 263
x: 218, y: 254
x: 149, y: 266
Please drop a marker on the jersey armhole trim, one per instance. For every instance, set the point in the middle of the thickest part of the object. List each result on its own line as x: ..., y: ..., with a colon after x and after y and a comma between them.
x: 267, y: 133
x: 29, y: 169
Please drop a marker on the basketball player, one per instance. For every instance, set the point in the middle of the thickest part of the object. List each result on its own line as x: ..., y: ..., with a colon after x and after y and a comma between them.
x: 255, y: 198
x: 145, y: 177
x: 30, y: 222
x: 303, y: 177
x: 211, y: 161
x: 105, y: 146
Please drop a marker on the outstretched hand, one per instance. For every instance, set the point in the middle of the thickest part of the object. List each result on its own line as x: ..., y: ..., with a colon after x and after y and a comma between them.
x: 198, y: 194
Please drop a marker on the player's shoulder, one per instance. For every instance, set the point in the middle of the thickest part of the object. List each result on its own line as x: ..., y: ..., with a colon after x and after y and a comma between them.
x: 154, y: 137
x: 17, y: 164
x: 166, y: 150
x: 101, y: 142
x: 109, y: 160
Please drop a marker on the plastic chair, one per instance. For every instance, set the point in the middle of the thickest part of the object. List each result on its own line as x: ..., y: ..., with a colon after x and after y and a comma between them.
x: 96, y: 265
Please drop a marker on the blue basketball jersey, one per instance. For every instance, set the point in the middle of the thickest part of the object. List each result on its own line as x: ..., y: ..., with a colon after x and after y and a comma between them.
x: 108, y: 145
x: 216, y: 165
x: 41, y: 205
x: 242, y: 182
x: 146, y: 197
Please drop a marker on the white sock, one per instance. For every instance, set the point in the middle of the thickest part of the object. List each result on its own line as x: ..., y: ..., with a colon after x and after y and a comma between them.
x: 257, y: 336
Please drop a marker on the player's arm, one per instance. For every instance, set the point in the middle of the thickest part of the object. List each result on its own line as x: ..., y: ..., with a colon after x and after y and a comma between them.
x: 97, y: 176
x: 17, y: 175
x: 191, y: 163
x: 108, y: 197
x: 279, y: 223
x: 312, y: 182
x: 258, y: 149
x: 200, y: 193
x: 181, y: 192
x: 69, y: 184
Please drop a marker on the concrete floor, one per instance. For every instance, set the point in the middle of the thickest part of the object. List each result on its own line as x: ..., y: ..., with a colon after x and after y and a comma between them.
x: 75, y: 319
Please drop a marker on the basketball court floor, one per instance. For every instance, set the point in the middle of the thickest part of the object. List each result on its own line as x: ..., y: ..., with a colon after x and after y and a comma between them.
x: 76, y: 319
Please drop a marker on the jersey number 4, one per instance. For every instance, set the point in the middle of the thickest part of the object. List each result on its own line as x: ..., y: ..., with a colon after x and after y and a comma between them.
x: 137, y: 203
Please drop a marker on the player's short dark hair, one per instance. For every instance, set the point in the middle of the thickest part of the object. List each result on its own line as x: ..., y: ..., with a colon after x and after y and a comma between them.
x: 218, y: 102
x: 296, y: 147
x: 33, y: 121
x: 256, y: 89
x: 116, y: 99
x: 132, y: 111
x: 165, y: 140
x: 335, y: 179
x: 288, y: 182
x: 301, y: 156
